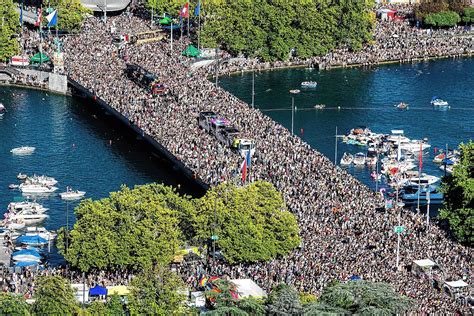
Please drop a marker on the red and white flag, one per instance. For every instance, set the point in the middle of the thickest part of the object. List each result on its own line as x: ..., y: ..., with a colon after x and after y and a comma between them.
x: 184, y: 13
x: 243, y: 167
x: 39, y: 16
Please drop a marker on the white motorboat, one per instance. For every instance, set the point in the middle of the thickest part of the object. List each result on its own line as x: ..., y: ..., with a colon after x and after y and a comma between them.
x: 309, y: 84
x: 26, y: 205
x: 449, y: 169
x: 424, y: 180
x: 13, y: 186
x: 320, y: 106
x: 21, y: 176
x: 3, y: 110
x: 17, y: 224
x: 36, y: 188
x: 26, y: 215
x: 72, y: 194
x: 439, y: 102
x: 414, y: 145
x: 25, y: 150
x: 44, y: 180
x: 40, y: 231
x: 346, y: 159
x: 359, y: 159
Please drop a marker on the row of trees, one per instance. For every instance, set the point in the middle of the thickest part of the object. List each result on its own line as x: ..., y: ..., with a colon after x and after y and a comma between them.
x: 9, y: 28
x: 157, y: 292
x: 276, y: 29
x: 444, y: 13
x: 458, y: 208
x: 141, y: 227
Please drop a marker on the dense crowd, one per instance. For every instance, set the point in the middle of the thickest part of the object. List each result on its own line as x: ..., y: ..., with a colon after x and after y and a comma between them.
x: 345, y: 230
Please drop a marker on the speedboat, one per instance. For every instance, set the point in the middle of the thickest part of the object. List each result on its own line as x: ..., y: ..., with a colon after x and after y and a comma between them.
x: 414, y: 145
x: 13, y: 186
x: 36, y: 188
x: 319, y: 106
x: 44, y: 180
x: 402, y: 106
x: 359, y: 159
x: 346, y: 159
x: 449, y: 168
x: 25, y: 150
x: 410, y: 194
x: 3, y: 110
x: 425, y: 179
x: 295, y: 91
x: 40, y: 231
x: 26, y: 205
x: 438, y: 102
x: 21, y: 176
x: 309, y: 84
x: 72, y: 194
x: 17, y: 224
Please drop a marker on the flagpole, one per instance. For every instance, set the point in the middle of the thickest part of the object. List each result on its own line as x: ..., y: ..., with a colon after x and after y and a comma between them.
x: 188, y: 24
x: 171, y: 41
x: 420, y: 159
x: 199, y: 25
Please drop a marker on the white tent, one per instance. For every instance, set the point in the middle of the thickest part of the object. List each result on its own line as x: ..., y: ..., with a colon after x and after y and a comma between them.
x: 456, y: 289
x: 457, y: 284
x: 247, y: 288
x: 424, y: 263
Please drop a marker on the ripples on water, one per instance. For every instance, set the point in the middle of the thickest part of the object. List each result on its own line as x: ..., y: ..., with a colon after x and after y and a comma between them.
x: 366, y: 97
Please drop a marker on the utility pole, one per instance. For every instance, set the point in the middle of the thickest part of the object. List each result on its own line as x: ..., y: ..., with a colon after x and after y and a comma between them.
x: 171, y: 40
x: 253, y: 88
x: 335, y: 151
x: 217, y: 67
x: 292, y: 114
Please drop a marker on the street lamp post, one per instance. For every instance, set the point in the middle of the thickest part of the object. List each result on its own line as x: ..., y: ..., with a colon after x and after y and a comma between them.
x: 253, y: 88
x: 399, y: 230
x: 293, y: 92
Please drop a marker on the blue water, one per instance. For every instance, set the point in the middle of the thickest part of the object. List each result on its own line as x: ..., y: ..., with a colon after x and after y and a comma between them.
x: 366, y: 97
x: 79, y: 147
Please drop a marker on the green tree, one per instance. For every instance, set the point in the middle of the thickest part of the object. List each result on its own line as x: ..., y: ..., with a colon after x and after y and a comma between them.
x: 9, y: 29
x: 13, y: 305
x: 71, y: 14
x: 468, y: 15
x: 252, y: 222
x: 54, y: 296
x: 157, y: 292
x: 442, y: 19
x: 459, y: 196
x: 284, y: 300
x: 96, y: 308
x: 361, y: 298
x: 133, y: 228
x: 114, y: 306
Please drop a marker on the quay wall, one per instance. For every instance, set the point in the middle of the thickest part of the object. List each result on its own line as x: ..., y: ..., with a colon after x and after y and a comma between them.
x: 177, y: 164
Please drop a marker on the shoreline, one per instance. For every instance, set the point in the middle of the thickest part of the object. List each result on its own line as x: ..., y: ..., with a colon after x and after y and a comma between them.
x: 357, y: 65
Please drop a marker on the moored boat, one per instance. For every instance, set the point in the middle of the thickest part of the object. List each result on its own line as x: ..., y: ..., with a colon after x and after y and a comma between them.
x: 25, y: 150
x: 346, y: 159
x: 319, y: 106
x: 359, y: 159
x: 72, y: 194
x: 438, y: 102
x: 309, y: 84
x: 21, y: 176
x: 410, y: 195
x: 3, y: 110
x: 402, y: 106
x: 36, y: 188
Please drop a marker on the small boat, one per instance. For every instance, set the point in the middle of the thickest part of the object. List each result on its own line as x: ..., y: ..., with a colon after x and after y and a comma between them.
x: 410, y: 194
x: 346, y: 159
x: 309, y: 84
x: 438, y: 102
x: 13, y: 186
x: 17, y: 224
x: 402, y: 106
x: 449, y: 168
x: 34, y: 240
x: 26, y: 205
x: 36, y: 188
x: 40, y: 231
x: 21, y: 176
x: 3, y: 110
x: 72, y: 194
x: 43, y: 180
x: 319, y: 106
x: 25, y: 150
x: 295, y: 91
x: 359, y: 159
x: 26, y: 255
x: 425, y: 179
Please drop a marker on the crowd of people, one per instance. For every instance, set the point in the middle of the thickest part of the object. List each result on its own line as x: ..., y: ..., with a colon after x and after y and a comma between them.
x: 344, y: 228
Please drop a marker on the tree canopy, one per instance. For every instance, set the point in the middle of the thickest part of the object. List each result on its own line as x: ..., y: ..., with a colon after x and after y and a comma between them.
x: 361, y: 298
x: 132, y: 228
x: 251, y: 222
x: 9, y: 29
x: 442, y: 19
x: 71, y: 14
x: 459, y: 196
x: 11, y: 304
x: 54, y: 296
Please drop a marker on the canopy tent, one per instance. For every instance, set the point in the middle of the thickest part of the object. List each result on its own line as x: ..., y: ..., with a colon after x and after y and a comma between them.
x: 36, y: 239
x: 355, y: 278
x: 39, y: 58
x: 191, y: 51
x: 22, y: 264
x: 457, y: 284
x: 29, y: 252
x: 247, y: 288
x: 424, y: 263
x: 165, y: 21
x: 119, y: 290
x: 97, y: 291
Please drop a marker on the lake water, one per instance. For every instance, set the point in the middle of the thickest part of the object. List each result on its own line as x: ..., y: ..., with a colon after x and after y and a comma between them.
x: 75, y: 144
x: 366, y: 96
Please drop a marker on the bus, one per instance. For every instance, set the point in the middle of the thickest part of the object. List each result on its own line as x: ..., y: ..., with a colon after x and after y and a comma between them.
x: 147, y: 37
x: 145, y: 79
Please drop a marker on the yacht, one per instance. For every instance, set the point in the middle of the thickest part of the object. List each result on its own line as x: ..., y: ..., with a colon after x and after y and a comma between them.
x: 26, y: 205
x: 25, y: 150
x: 346, y: 159
x: 411, y: 193
x: 359, y: 159
x: 40, y: 231
x: 44, y: 180
x: 72, y: 194
x: 16, y: 224
x: 424, y: 180
x: 414, y: 145
x: 36, y: 188
x: 26, y: 215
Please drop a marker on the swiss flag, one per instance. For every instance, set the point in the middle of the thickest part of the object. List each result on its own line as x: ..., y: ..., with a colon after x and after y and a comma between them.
x: 184, y: 13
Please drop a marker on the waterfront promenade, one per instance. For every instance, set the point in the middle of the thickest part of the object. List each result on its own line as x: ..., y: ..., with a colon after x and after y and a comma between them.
x: 343, y: 233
